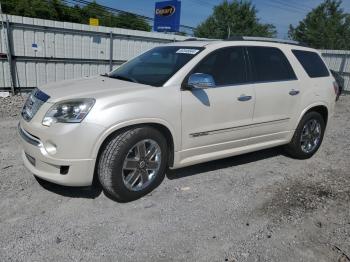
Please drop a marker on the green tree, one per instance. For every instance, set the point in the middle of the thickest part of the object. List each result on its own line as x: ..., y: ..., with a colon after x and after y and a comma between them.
x: 132, y: 21
x: 63, y: 12
x: 30, y: 8
x: 325, y: 27
x: 58, y: 10
x: 234, y: 18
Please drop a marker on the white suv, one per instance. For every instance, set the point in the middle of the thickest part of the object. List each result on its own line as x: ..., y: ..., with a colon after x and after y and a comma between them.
x: 177, y: 105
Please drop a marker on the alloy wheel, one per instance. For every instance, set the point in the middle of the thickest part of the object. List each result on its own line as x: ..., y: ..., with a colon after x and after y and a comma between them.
x: 310, y: 136
x: 141, y: 164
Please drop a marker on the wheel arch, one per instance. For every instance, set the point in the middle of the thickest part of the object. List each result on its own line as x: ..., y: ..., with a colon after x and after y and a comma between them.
x: 160, y: 125
x: 321, y: 108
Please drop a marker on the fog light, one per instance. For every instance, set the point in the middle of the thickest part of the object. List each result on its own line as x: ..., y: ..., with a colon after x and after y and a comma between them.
x: 50, y: 148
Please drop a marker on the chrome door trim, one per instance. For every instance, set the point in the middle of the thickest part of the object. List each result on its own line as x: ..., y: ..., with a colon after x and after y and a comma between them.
x: 230, y: 129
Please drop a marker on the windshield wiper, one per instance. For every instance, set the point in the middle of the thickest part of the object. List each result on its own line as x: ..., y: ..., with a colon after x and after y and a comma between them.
x: 125, y: 78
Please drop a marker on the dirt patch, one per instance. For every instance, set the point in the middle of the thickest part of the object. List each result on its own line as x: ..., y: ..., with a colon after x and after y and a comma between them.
x: 298, y: 198
x: 11, y: 106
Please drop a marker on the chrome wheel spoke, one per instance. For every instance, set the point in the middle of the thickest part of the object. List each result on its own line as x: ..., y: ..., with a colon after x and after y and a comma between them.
x: 312, y: 126
x: 141, y: 149
x: 316, y: 131
x: 152, y: 165
x: 133, y: 177
x: 144, y: 176
x: 131, y: 164
x: 141, y: 164
x: 304, y: 138
x: 151, y: 153
x: 310, y: 136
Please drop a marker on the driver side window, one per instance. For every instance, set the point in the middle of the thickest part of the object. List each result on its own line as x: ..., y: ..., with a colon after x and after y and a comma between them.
x: 227, y: 66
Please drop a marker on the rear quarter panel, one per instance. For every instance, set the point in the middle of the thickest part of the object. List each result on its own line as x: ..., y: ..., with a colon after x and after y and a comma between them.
x: 313, y: 91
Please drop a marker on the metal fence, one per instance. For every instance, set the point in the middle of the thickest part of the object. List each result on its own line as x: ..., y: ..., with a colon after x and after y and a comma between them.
x: 42, y: 51
x: 339, y: 61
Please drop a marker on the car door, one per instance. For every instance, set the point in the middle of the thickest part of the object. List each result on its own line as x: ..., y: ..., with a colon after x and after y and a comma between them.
x: 277, y: 91
x: 213, y: 118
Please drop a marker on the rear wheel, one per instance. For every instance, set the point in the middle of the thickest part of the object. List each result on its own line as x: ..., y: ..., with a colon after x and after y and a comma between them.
x: 133, y: 163
x: 307, y: 137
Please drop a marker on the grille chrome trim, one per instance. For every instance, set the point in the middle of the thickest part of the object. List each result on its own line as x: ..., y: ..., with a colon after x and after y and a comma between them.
x: 28, y: 137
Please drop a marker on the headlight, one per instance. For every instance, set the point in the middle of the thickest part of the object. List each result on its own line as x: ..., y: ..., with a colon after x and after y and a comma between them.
x: 69, y: 111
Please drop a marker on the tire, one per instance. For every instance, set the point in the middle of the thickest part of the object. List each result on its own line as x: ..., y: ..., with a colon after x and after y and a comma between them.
x: 302, y: 150
x: 123, y: 170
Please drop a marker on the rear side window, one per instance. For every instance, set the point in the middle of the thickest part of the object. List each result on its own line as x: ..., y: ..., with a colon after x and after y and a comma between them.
x: 227, y: 66
x: 312, y: 63
x: 269, y: 64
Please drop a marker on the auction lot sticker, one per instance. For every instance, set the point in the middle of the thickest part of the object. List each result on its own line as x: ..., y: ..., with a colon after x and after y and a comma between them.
x: 187, y: 51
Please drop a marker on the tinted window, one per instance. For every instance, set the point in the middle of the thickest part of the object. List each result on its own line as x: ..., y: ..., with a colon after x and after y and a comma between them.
x: 270, y: 64
x: 227, y: 66
x: 156, y: 66
x: 312, y: 63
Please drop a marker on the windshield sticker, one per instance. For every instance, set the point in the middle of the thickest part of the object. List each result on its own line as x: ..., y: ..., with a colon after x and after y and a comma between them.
x: 187, y: 51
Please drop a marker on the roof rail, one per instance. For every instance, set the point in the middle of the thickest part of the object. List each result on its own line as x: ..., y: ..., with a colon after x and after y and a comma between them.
x: 265, y: 39
x: 191, y: 39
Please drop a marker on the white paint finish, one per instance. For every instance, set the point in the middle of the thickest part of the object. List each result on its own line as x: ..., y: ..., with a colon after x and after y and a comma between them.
x: 121, y: 103
x: 215, y: 109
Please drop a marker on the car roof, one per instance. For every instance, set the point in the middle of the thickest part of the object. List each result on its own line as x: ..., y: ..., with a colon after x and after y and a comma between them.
x: 262, y: 42
x: 195, y: 43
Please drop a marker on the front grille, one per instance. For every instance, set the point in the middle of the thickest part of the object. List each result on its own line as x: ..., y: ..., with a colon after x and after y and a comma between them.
x: 29, y: 137
x: 35, y: 100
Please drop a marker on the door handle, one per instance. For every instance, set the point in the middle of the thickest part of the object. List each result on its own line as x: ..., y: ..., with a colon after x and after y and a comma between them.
x: 244, y: 98
x: 294, y: 92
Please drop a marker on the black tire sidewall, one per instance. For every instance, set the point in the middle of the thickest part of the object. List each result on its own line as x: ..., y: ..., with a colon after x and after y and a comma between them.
x: 295, y: 146
x: 118, y: 186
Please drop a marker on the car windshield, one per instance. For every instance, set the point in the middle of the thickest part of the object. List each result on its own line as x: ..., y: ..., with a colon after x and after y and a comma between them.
x: 156, y: 66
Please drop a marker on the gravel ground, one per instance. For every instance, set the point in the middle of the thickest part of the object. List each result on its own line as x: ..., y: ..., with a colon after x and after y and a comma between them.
x: 262, y: 206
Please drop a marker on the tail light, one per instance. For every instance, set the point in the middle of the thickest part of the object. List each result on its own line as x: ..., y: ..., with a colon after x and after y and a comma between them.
x: 336, y: 88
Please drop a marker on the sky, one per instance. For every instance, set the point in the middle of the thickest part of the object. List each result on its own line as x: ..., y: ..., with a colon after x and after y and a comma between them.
x: 281, y: 13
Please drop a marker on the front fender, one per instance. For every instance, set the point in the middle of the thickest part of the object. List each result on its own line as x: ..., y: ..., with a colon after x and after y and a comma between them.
x: 110, y: 130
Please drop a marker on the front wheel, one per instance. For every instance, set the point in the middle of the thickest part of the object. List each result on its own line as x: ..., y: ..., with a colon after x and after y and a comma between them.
x: 133, y: 163
x: 307, y: 137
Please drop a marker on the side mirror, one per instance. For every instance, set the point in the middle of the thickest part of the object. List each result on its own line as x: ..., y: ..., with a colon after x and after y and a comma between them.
x: 201, y: 81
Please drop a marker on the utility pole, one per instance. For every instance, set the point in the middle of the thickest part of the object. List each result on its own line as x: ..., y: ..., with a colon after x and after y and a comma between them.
x: 8, y: 49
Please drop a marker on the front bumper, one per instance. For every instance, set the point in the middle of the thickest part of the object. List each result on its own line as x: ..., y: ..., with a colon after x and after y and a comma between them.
x: 68, y: 172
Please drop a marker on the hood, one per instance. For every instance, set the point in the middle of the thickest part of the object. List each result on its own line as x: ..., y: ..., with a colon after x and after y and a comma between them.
x: 90, y: 87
